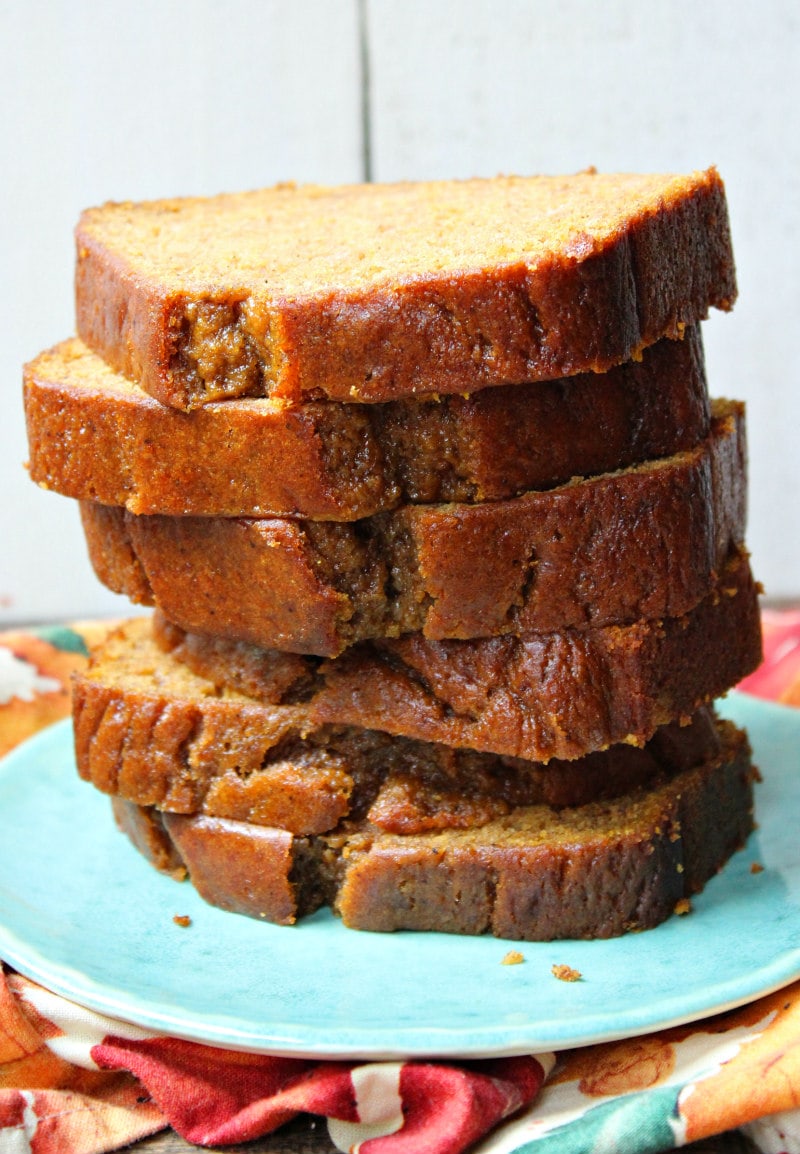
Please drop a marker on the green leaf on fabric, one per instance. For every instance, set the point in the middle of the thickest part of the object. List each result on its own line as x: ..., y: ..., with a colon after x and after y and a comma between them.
x: 644, y: 1123
x: 63, y: 638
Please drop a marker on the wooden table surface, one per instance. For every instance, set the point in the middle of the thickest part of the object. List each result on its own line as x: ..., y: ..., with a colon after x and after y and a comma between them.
x: 310, y: 1136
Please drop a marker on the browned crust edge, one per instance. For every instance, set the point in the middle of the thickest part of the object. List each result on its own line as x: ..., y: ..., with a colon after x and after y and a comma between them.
x: 514, y: 324
x: 668, y: 844
x: 93, y: 436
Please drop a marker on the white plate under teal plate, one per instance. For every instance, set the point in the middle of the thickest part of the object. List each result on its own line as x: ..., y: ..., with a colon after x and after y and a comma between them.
x: 83, y: 913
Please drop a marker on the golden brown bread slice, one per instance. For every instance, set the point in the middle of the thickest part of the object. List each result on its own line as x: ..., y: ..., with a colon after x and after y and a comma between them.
x: 643, y: 542
x: 373, y: 292
x: 94, y: 435
x: 151, y: 732
x: 553, y: 694
x: 593, y: 871
x: 540, y: 696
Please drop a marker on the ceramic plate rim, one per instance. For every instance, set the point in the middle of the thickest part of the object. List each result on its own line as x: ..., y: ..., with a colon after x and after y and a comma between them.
x: 489, y: 1039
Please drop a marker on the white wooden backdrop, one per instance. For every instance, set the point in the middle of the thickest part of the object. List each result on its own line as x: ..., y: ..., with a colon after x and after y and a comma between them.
x: 101, y: 99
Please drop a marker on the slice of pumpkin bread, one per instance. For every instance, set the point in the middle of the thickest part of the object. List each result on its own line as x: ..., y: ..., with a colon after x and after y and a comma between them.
x: 150, y: 731
x: 96, y: 436
x: 644, y: 542
x: 591, y: 871
x: 539, y: 696
x: 373, y: 292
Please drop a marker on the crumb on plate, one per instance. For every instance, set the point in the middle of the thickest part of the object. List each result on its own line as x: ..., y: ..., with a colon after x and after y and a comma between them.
x: 512, y: 958
x: 566, y: 974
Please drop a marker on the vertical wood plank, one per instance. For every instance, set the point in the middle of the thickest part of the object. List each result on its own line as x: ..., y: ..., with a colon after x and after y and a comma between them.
x: 105, y: 100
x: 555, y: 85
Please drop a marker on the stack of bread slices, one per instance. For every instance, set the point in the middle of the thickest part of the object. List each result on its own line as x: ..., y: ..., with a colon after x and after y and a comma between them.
x: 444, y: 539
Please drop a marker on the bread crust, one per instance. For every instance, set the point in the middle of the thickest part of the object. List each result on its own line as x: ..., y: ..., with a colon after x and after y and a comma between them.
x: 373, y: 292
x: 554, y: 694
x: 150, y: 732
x: 594, y: 871
x: 95, y: 436
x: 641, y: 543
x: 540, y: 696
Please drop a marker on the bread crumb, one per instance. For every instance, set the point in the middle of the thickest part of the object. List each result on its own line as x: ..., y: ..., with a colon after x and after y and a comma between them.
x: 182, y: 919
x: 513, y: 958
x: 684, y: 906
x: 566, y: 974
x: 756, y: 867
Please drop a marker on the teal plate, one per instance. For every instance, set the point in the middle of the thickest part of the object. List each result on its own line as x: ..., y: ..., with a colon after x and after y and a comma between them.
x: 84, y: 914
